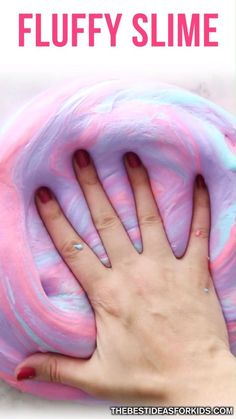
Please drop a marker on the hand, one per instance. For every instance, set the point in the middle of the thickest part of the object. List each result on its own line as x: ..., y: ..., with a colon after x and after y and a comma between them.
x: 161, y: 334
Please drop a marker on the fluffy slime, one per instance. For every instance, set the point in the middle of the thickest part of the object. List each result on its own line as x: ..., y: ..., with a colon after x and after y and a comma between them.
x: 176, y: 134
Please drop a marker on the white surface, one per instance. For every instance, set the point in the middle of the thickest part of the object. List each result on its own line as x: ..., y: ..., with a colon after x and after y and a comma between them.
x: 125, y: 58
x: 27, y: 71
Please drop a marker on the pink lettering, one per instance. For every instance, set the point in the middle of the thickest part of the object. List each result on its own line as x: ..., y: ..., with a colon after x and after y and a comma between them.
x: 144, y: 38
x: 75, y: 28
x: 113, y: 28
x: 170, y: 30
x: 39, y: 42
x: 189, y: 34
x: 55, y: 30
x: 92, y: 28
x: 209, y: 30
x: 155, y: 42
x: 22, y: 29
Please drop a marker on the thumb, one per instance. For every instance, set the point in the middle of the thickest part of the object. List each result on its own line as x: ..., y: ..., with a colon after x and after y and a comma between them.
x: 57, y: 369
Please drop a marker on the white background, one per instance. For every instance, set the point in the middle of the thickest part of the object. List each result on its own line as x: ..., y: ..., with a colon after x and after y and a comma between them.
x: 26, y: 71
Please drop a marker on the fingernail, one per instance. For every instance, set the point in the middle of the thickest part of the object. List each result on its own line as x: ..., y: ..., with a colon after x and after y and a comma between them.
x: 133, y: 160
x: 26, y: 373
x: 200, y: 182
x: 44, y: 194
x: 82, y: 158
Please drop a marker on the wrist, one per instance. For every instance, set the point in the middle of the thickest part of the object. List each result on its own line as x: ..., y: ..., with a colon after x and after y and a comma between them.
x: 211, y: 384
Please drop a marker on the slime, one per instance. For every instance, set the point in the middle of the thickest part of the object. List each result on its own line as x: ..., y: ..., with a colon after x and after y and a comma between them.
x: 177, y: 134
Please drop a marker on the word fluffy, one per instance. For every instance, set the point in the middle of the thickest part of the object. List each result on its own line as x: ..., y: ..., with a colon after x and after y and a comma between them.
x: 79, y: 28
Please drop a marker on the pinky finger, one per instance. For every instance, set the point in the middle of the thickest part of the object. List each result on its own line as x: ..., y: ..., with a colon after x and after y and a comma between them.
x: 198, y: 247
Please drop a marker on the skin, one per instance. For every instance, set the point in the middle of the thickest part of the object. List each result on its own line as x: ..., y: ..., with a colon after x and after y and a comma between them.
x: 161, y: 338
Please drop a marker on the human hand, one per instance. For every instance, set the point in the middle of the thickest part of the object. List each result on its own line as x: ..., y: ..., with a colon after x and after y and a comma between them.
x: 161, y: 334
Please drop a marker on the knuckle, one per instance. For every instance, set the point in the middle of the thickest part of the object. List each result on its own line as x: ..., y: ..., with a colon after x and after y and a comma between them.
x: 55, y: 213
x: 200, y: 274
x: 149, y: 219
x: 141, y: 179
x: 201, y: 232
x: 68, y: 251
x: 107, y: 299
x: 90, y: 179
x: 53, y: 370
x: 202, y: 199
x: 106, y: 221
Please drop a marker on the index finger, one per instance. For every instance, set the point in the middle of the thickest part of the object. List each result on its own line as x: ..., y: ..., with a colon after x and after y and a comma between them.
x: 78, y: 256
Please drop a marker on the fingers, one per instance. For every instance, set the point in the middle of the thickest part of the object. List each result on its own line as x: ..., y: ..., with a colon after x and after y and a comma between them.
x: 58, y: 369
x: 151, y: 226
x: 198, y: 247
x: 106, y: 221
x: 77, y: 254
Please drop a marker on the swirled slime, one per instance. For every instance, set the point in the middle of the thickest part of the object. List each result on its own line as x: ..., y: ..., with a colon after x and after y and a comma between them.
x: 176, y: 134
